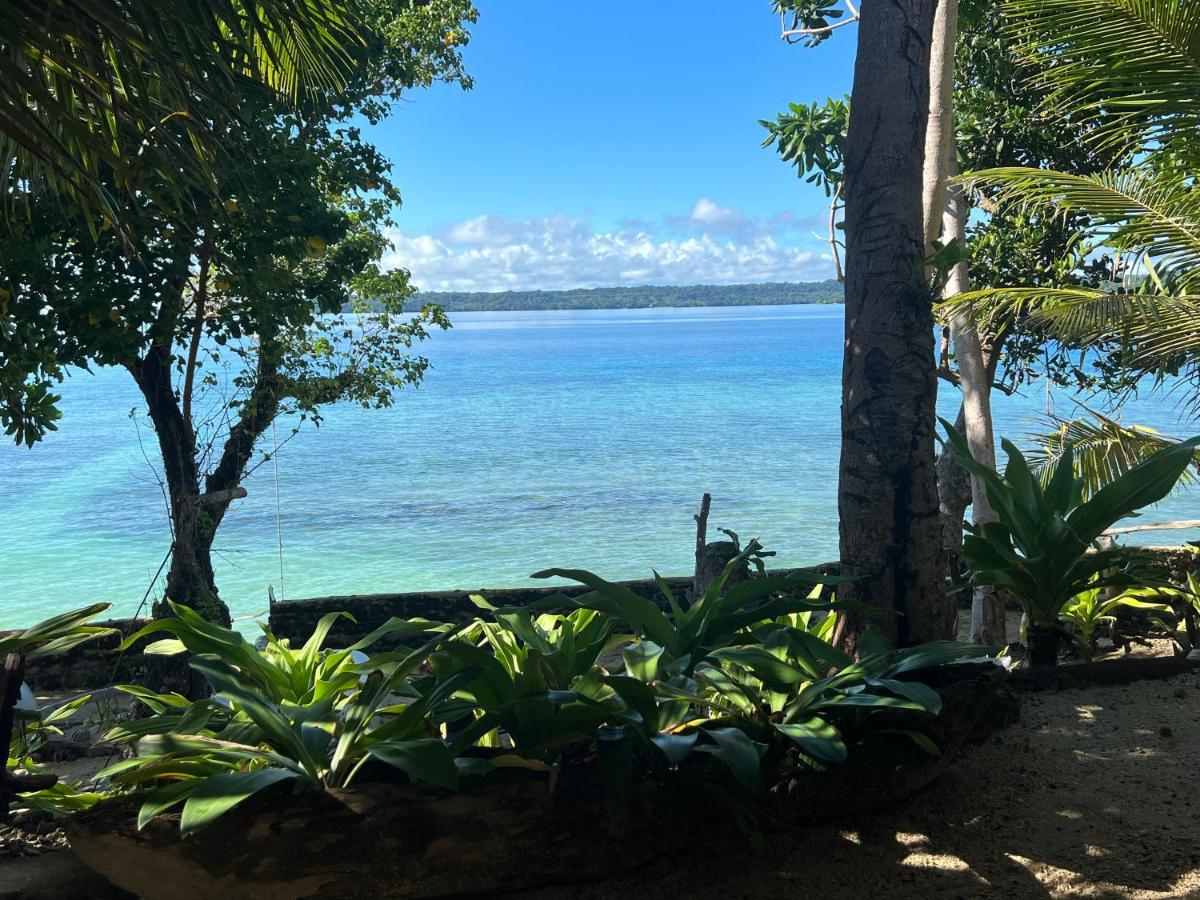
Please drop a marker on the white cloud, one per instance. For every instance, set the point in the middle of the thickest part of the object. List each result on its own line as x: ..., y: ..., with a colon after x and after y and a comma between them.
x: 713, y: 244
x: 719, y: 218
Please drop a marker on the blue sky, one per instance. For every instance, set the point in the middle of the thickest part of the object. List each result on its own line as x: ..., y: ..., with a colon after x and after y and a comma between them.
x: 612, y: 143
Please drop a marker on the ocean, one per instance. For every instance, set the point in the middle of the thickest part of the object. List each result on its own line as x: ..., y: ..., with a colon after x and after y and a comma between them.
x: 576, y: 439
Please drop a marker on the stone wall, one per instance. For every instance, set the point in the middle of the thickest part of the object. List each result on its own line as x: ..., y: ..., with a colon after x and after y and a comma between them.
x: 92, y: 664
x: 295, y: 619
x: 95, y: 663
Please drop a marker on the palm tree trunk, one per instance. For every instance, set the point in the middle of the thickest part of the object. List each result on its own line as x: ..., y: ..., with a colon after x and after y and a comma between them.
x: 887, y: 493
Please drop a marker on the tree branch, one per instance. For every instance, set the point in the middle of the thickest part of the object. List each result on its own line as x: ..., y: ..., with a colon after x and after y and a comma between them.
x: 201, y: 295
x: 794, y: 35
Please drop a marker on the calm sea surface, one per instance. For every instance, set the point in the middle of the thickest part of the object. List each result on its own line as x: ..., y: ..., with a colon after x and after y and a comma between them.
x: 539, y: 439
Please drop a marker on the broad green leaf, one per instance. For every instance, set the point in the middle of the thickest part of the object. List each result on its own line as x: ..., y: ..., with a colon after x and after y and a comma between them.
x: 220, y: 793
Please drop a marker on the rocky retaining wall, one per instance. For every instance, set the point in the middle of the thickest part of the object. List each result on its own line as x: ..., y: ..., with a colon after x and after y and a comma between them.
x: 95, y: 664
x: 92, y: 664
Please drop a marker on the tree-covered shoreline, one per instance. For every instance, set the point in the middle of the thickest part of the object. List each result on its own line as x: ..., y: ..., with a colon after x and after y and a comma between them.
x: 640, y: 297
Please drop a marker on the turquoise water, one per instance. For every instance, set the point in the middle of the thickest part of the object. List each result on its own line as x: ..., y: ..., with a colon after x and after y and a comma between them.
x: 539, y: 439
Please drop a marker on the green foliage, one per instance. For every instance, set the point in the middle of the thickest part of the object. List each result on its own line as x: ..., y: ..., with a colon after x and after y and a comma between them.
x: 817, y: 16
x: 1041, y: 550
x: 714, y: 619
x: 1129, y: 65
x: 308, y: 716
x: 1088, y: 611
x: 83, y: 82
x: 239, y: 290
x: 56, y: 634
x: 1129, y: 98
x: 1102, y: 449
x: 813, y: 139
x: 640, y: 297
x: 741, y: 683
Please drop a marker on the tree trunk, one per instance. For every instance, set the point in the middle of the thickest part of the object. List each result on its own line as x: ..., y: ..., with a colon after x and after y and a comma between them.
x: 939, y: 134
x: 190, y: 580
x: 975, y: 378
x: 887, y: 494
x: 1043, y: 645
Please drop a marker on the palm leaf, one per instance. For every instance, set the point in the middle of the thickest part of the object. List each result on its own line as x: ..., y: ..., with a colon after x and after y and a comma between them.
x: 1102, y: 449
x: 1138, y: 212
x: 1130, y: 66
x: 84, y: 81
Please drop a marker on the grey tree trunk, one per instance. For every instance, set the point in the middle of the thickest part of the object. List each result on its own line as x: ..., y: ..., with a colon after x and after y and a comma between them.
x: 887, y: 493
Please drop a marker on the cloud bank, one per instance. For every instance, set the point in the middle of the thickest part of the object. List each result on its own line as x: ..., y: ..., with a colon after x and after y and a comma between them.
x: 711, y: 244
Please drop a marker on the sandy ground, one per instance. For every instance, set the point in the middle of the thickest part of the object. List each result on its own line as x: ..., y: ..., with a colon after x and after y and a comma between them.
x: 1090, y: 795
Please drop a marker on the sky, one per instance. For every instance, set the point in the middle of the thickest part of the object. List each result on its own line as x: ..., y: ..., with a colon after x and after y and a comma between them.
x: 612, y: 144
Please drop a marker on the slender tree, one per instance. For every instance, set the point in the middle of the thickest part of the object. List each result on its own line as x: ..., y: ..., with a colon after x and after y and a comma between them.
x: 271, y: 301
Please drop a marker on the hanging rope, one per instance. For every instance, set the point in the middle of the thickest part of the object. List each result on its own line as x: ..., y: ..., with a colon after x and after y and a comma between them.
x: 278, y: 519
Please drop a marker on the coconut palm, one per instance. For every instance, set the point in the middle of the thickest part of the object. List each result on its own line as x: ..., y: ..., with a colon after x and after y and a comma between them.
x: 1132, y: 67
x: 81, y: 81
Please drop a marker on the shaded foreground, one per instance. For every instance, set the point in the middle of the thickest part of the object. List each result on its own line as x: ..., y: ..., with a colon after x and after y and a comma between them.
x: 1087, y: 796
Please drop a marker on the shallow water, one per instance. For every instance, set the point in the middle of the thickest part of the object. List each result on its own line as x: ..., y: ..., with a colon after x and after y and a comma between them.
x: 580, y: 438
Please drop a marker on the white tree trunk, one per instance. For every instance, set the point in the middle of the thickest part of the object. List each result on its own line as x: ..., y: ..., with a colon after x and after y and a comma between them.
x: 939, y: 133
x: 987, y: 609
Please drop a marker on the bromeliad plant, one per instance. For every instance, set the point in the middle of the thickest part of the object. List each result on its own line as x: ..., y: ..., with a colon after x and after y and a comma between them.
x: 1090, y: 610
x: 1042, y: 551
x: 616, y: 689
x: 718, y: 618
x: 311, y: 716
x: 792, y: 684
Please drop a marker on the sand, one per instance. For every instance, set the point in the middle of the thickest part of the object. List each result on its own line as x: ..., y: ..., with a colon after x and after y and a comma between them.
x: 1092, y: 794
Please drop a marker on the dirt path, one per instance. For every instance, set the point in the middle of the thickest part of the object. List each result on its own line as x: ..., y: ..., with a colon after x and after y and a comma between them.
x: 1091, y: 795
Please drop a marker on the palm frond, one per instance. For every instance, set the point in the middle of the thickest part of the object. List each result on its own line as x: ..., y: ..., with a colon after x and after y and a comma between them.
x: 1132, y: 66
x: 1102, y: 448
x: 1139, y: 213
x: 1159, y: 332
x: 83, y: 81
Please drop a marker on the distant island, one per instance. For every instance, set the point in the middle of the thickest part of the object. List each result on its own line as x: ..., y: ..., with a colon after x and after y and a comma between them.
x: 641, y: 297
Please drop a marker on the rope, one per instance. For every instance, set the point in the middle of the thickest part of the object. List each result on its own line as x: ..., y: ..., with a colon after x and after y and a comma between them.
x: 278, y: 520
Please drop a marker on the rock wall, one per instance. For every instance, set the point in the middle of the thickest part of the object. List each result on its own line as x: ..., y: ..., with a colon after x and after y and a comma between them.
x: 92, y: 664
x: 295, y: 619
x: 95, y: 663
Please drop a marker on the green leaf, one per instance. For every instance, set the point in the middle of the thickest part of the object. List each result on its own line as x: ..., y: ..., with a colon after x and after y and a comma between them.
x: 738, y: 753
x: 816, y: 738
x: 642, y: 659
x: 217, y: 795
x: 428, y: 759
x: 675, y: 747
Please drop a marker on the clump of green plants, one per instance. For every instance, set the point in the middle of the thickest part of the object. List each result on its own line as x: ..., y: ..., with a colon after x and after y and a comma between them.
x: 23, y: 783
x: 1089, y: 611
x: 310, y: 716
x: 1043, y: 551
x: 608, y: 686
